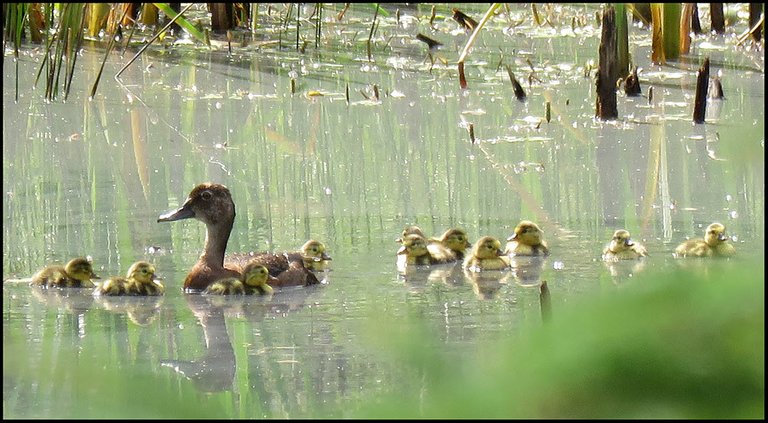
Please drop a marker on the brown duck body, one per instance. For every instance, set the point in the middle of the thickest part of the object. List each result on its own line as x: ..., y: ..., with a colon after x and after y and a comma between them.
x: 212, y: 204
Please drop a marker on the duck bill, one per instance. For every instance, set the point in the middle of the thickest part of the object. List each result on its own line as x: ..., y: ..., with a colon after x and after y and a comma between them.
x: 183, y: 212
x: 325, y: 257
x: 722, y: 237
x: 500, y: 252
x: 512, y: 238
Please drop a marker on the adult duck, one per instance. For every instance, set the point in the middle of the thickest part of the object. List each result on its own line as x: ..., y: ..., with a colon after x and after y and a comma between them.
x: 212, y: 204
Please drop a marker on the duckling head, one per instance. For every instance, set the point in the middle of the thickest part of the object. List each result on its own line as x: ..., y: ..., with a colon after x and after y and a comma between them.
x: 620, y: 241
x: 142, y: 272
x: 315, y: 250
x: 414, y: 245
x: 487, y: 247
x: 455, y: 239
x: 208, y: 202
x: 410, y: 230
x: 80, y: 269
x: 527, y: 232
x: 715, y: 234
x: 255, y: 274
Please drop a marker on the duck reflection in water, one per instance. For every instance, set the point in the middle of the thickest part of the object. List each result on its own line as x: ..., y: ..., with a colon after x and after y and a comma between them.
x: 141, y: 310
x: 214, y: 371
x: 526, y: 270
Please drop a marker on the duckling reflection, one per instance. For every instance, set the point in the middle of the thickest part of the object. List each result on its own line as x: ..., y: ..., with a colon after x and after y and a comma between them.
x: 141, y: 310
x: 527, y: 269
x: 488, y: 283
x: 68, y: 300
x: 418, y: 277
x: 715, y: 244
x: 622, y: 270
x: 215, y: 370
x: 77, y: 273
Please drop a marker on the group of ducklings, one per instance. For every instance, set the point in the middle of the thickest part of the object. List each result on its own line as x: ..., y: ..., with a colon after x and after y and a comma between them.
x: 78, y: 273
x: 416, y: 249
x: 141, y: 279
x: 527, y: 240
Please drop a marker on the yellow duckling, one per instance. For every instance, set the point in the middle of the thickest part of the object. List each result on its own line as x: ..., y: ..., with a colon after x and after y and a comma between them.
x: 622, y: 247
x: 527, y: 241
x: 445, y: 249
x: 314, y: 256
x: 455, y: 240
x: 255, y: 276
x: 415, y: 251
x: 77, y: 273
x: 140, y: 280
x: 715, y: 243
x: 486, y: 255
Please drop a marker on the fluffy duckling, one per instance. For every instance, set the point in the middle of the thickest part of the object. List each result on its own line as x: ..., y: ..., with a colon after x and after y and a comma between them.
x: 314, y: 256
x: 622, y: 247
x: 77, y: 273
x: 486, y: 255
x: 441, y: 252
x: 715, y: 243
x: 416, y: 250
x: 255, y: 276
x: 527, y: 241
x: 455, y: 240
x: 140, y: 280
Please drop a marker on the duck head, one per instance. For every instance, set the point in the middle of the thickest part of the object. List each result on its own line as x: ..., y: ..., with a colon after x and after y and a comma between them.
x: 80, y: 269
x: 620, y: 241
x: 314, y: 250
x: 414, y: 245
x: 208, y: 202
x: 527, y: 232
x: 142, y: 272
x: 455, y: 239
x: 255, y: 275
x: 715, y: 234
x: 487, y: 247
x: 410, y: 230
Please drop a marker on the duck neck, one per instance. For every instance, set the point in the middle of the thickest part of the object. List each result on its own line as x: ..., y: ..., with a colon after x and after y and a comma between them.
x: 216, y: 239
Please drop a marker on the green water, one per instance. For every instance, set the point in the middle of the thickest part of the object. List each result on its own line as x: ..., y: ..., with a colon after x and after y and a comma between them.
x: 91, y: 177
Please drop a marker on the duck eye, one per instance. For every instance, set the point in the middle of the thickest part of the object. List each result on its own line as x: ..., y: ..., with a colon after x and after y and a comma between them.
x: 207, y: 195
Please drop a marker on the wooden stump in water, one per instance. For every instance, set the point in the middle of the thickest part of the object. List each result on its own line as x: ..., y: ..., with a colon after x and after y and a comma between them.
x: 607, y: 69
x: 702, y: 85
x: 632, y: 84
x: 718, y: 17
